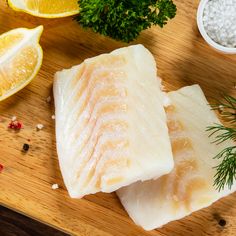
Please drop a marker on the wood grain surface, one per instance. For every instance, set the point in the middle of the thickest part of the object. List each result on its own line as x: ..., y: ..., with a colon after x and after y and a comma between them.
x: 15, y: 224
x: 183, y: 58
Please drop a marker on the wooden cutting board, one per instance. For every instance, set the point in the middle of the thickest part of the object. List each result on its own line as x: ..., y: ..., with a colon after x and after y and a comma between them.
x: 183, y: 58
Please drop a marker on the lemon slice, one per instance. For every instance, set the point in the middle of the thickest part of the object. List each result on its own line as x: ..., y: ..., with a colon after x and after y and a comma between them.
x: 20, y: 59
x: 46, y: 8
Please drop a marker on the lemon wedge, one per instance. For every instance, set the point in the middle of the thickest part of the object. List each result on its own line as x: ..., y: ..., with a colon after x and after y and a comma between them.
x: 20, y: 59
x: 46, y: 8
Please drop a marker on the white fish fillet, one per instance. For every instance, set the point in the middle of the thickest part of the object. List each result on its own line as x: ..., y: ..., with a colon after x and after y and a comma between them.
x: 189, y: 187
x: 110, y: 122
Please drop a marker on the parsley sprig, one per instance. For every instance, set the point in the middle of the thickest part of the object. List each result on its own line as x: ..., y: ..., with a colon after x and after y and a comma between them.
x: 123, y: 20
x: 226, y: 170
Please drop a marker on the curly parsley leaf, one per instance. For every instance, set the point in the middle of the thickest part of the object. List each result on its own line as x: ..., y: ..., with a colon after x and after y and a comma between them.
x: 123, y: 20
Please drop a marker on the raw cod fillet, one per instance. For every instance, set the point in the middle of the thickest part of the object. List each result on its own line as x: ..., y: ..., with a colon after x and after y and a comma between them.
x: 189, y: 187
x: 111, y: 126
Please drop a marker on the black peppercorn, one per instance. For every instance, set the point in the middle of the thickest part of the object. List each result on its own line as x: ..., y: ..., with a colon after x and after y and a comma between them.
x: 25, y: 147
x: 222, y: 222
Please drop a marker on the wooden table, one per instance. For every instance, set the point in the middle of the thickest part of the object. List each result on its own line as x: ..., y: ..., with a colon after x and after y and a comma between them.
x: 183, y: 58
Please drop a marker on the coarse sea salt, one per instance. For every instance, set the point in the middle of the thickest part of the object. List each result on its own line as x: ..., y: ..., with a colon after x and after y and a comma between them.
x: 55, y: 186
x: 39, y: 126
x: 13, y: 118
x: 219, y: 20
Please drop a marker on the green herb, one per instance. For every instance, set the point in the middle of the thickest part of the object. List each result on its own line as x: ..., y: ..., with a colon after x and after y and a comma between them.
x: 226, y: 170
x: 124, y: 19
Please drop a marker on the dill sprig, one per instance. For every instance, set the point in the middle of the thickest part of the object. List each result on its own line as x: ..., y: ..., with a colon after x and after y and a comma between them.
x: 226, y: 108
x: 226, y: 170
x: 223, y: 133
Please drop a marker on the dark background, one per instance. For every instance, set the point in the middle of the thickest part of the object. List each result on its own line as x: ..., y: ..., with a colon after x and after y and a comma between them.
x: 15, y: 224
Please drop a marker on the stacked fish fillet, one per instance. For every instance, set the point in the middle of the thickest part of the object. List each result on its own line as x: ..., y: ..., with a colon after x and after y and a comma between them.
x: 117, y: 131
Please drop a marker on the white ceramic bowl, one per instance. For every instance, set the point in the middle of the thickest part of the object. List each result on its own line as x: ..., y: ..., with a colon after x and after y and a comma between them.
x: 202, y: 30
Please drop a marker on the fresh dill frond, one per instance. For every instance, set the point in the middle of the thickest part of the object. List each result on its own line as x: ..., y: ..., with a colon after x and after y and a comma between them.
x: 222, y: 133
x: 226, y: 108
x: 226, y: 170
